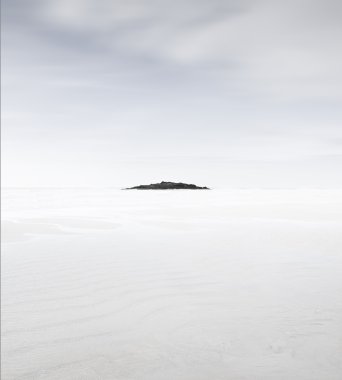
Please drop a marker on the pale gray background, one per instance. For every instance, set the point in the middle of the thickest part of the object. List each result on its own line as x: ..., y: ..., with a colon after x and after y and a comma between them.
x: 222, y: 93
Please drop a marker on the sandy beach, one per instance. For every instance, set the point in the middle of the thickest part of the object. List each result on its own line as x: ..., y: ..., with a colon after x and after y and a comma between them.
x: 171, y: 285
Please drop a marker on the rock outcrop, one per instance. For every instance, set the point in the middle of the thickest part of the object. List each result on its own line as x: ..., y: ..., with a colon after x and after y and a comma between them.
x: 168, y: 186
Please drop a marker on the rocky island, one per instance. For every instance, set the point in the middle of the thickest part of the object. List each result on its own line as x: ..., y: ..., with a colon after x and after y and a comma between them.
x: 168, y: 186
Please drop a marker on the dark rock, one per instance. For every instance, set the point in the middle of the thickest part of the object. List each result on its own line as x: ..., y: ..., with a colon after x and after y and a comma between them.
x: 168, y: 186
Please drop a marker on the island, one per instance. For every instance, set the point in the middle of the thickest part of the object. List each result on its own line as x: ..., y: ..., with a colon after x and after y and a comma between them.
x: 167, y: 186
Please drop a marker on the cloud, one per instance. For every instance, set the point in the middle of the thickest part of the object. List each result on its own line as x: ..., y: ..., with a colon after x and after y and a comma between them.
x: 275, y: 48
x: 254, y: 78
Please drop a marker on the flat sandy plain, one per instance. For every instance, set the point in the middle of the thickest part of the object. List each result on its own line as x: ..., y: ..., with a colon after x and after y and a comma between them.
x: 171, y: 285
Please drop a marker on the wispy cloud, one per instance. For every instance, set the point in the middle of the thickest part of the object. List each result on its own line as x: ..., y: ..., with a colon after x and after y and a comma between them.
x: 175, y: 76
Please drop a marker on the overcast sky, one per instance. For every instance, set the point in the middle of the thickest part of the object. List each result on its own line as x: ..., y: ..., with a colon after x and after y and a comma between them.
x: 233, y: 93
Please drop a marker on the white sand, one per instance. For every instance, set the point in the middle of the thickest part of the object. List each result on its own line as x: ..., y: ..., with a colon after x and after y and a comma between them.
x: 175, y: 285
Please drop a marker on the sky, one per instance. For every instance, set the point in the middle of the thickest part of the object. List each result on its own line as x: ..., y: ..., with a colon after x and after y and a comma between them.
x: 223, y: 93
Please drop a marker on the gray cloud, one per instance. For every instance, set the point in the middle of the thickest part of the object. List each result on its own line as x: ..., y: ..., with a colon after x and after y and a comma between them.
x: 288, y: 49
x: 232, y: 79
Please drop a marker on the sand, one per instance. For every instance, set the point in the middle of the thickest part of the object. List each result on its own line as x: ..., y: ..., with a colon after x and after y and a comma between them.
x: 171, y: 285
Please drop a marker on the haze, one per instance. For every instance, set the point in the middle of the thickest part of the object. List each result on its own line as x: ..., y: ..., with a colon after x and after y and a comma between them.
x: 219, y: 93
